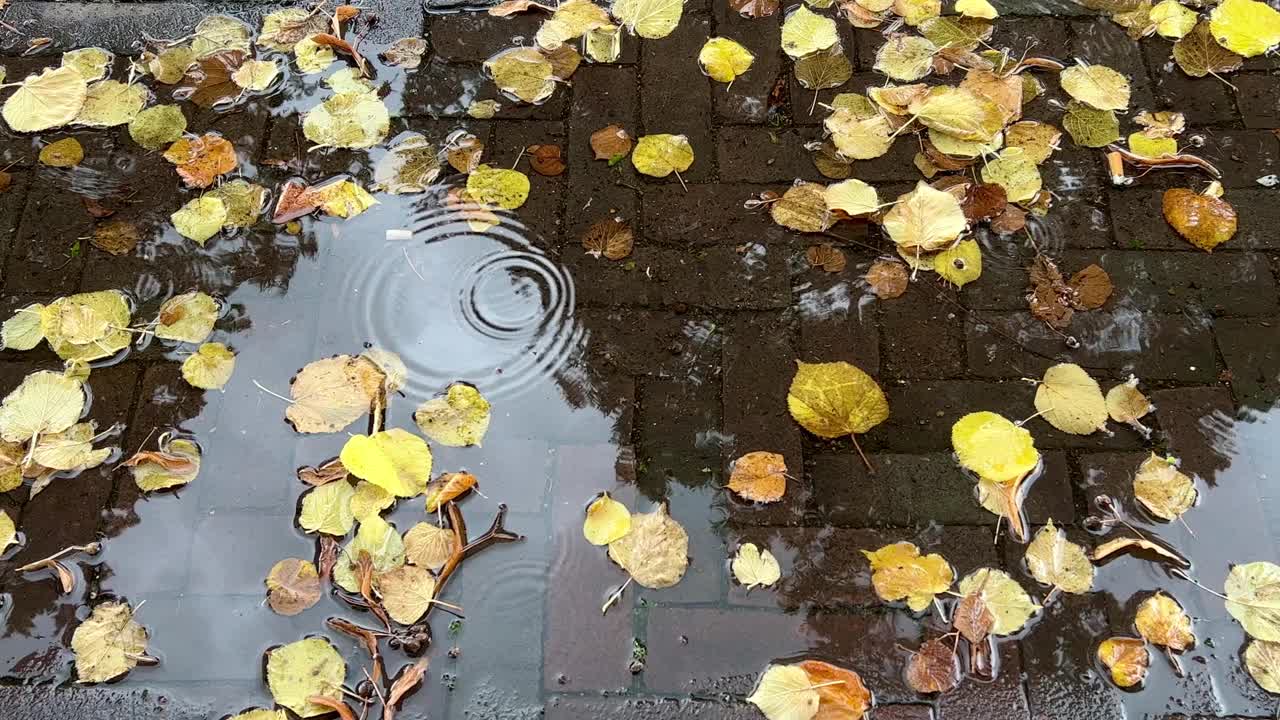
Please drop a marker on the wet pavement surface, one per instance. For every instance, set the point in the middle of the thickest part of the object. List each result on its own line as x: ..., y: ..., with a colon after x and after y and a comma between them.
x: 644, y: 378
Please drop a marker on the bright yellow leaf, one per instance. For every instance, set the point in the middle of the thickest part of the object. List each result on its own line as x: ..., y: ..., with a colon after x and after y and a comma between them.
x: 607, y: 520
x: 835, y: 399
x: 724, y: 59
x: 1246, y: 27
x: 992, y: 447
x: 900, y: 572
x: 1070, y: 400
x: 396, y: 460
x: 660, y: 155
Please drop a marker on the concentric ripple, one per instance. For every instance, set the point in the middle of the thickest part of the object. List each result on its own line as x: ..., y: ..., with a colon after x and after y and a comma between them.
x: 483, y: 306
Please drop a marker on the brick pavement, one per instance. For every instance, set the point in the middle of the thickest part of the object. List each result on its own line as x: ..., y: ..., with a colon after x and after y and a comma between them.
x: 690, y: 349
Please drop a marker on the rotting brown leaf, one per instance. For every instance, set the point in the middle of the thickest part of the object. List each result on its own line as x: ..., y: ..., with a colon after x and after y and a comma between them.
x: 610, y: 238
x: 825, y: 257
x: 983, y: 201
x: 208, y: 82
x: 1092, y: 287
x: 933, y: 668
x: 972, y: 618
x: 117, y: 237
x: 1129, y: 544
x: 610, y: 142
x: 1050, y: 299
x: 545, y: 159
x: 409, y: 678
x: 1012, y: 220
x: 323, y: 473
x: 755, y: 8
x: 888, y: 279
x: 293, y: 585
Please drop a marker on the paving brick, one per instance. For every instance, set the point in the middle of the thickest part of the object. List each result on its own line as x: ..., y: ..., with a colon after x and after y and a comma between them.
x: 441, y: 89
x: 1040, y: 36
x: 602, y: 96
x: 587, y: 708
x: 1076, y: 175
x: 1000, y: 699
x: 1109, y: 474
x: 1258, y: 99
x: 583, y: 649
x: 644, y: 342
x: 839, y: 323
x: 709, y: 214
x: 1247, y: 347
x: 715, y: 276
x: 1204, y: 101
x: 923, y: 333
x: 1243, y: 156
x: 675, y: 97
x: 746, y: 100
x: 1062, y: 674
x: 476, y: 37
x: 1153, y: 347
x: 1189, y: 418
x: 583, y: 471
x: 677, y: 424
x: 766, y: 155
x: 541, y: 212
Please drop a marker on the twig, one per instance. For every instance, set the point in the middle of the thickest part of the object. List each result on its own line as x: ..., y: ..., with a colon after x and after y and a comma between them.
x: 92, y: 548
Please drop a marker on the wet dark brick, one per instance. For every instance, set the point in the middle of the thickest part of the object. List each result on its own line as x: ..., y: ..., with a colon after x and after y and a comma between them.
x: 1258, y: 99
x: 675, y: 97
x: 602, y: 96
x: 1194, y: 421
x: 1140, y: 223
x: 1061, y: 674
x: 904, y: 712
x: 1205, y: 101
x: 761, y: 154
x: 1154, y: 347
x: 583, y: 649
x: 1109, y: 474
x: 793, y: 547
x: 441, y: 89
x: 1243, y: 156
x: 676, y: 424
x: 839, y: 323
x: 1002, y: 699
x: 1075, y: 175
x: 586, y: 708
x: 916, y: 489
x: 1103, y: 42
x: 115, y: 28
x: 747, y: 99
x: 717, y: 276
x: 923, y: 333
x: 708, y: 214
x: 1249, y: 347
x: 542, y: 210
x: 1040, y: 36
x: 759, y: 364
x: 646, y: 342
x: 476, y: 37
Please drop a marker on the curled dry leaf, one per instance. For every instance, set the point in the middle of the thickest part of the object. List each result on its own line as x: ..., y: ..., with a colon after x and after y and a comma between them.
x: 607, y: 520
x: 1162, y: 621
x: 1126, y: 544
x: 1162, y: 489
x: 175, y: 464
x: 1205, y: 221
x: 324, y: 473
x: 759, y: 476
x: 825, y: 257
x: 1070, y: 400
x: 293, y: 585
x: 900, y: 572
x: 545, y: 159
x: 933, y: 668
x: 972, y: 619
x: 610, y: 238
x: 888, y: 279
x: 448, y: 486
x: 656, y: 551
x: 1051, y: 300
x: 1054, y: 560
x: 841, y: 693
x: 1127, y: 658
x: 753, y: 567
x: 409, y: 677
x: 610, y: 143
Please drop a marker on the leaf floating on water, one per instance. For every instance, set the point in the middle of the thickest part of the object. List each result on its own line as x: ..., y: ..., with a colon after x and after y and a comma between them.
x: 395, y: 460
x: 380, y: 541
x: 48, y: 100
x: 459, y: 419
x: 888, y: 279
x: 304, y: 669
x: 656, y: 551
x: 351, y: 119
x: 407, y: 592
x: 1008, y: 603
x: 176, y: 464
x: 924, y: 220
x: 1262, y: 659
x: 220, y: 33
x: 259, y: 714
x: 992, y: 447
x: 1070, y: 400
x: 208, y: 82
x: 1038, y: 140
x: 1162, y: 489
x: 1098, y: 86
x: 959, y: 264
x: 200, y: 160
x: 46, y: 402
x: 256, y: 75
x: 900, y: 572
x: 24, y: 330
x: 87, y: 326
x: 282, y: 29
x: 108, y: 644
x: 110, y: 103
x: 972, y: 619
x: 723, y: 59
x: 63, y: 153
x: 1205, y: 221
x: 1246, y: 27
x: 803, y: 208
x: 660, y: 155
x: 933, y: 668
x: 785, y: 692
x: 311, y: 56
x: 448, y: 486
x: 1111, y: 547
x: 210, y: 367
x: 91, y: 62
x: 8, y: 532
x: 293, y: 585
x: 1054, y: 560
x: 755, y: 8
x: 610, y: 142
x: 157, y: 127
x: 754, y: 568
x: 841, y: 693
x: 405, y: 52
x: 976, y: 9
x: 370, y: 499
x: 410, y: 166
x: 330, y: 394
x: 650, y: 19
x: 1127, y: 658
x: 1253, y: 599
x: 327, y: 509
x: 523, y: 73
x: 610, y: 238
x: 428, y: 546
x: 1162, y: 621
x: 188, y: 317
x: 607, y: 520
x: 835, y: 399
x: 507, y: 189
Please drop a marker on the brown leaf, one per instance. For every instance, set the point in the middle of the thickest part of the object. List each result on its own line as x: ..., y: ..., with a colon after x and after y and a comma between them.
x: 825, y: 257
x: 208, y: 81
x: 887, y: 278
x: 328, y: 557
x: 545, y: 159
x: 511, y: 7
x: 343, y: 13
x: 341, y: 46
x: 463, y: 152
x: 759, y: 476
x: 1050, y: 299
x: 1092, y: 287
x: 293, y: 586
x: 96, y: 209
x: 448, y: 487
x: 296, y: 200
x: 1205, y: 221
x: 1010, y: 221
x: 6, y: 180
x: 943, y: 161
x: 200, y: 160
x: 841, y: 692
x: 1128, y: 544
x: 984, y: 201
x: 343, y: 710
x: 755, y: 8
x: 409, y: 678
x: 1003, y: 90
x: 610, y: 142
x: 611, y: 238
x: 1127, y: 658
x: 116, y: 237
x: 933, y: 668
x: 324, y: 473
x: 564, y: 60
x: 972, y: 618
x: 168, y: 461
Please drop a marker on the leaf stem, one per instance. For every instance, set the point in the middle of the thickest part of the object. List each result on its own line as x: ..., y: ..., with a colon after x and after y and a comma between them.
x: 870, y: 468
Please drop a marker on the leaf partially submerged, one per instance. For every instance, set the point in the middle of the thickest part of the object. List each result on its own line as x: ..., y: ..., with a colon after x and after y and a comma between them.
x: 108, y: 644
x: 785, y: 692
x: 379, y: 540
x: 349, y: 119
x: 330, y: 394
x: 46, y: 402
x: 610, y: 238
x: 200, y: 160
x: 48, y: 100
x: 841, y: 693
x: 407, y: 592
x: 175, y: 464
x: 933, y: 668
x: 1008, y: 603
x: 656, y: 551
x: 1262, y: 659
x: 1070, y: 400
x: 396, y: 460
x: 1054, y: 560
x: 753, y: 567
x: 209, y: 367
x: 900, y: 572
x: 293, y: 585
x: 458, y: 419
x: 1162, y: 621
x: 607, y: 520
x: 1163, y: 489
x: 304, y: 669
x: 1127, y: 658
x: 1089, y: 126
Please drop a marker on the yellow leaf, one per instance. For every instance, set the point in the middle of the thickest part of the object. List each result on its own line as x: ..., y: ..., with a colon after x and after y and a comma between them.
x: 1162, y: 621
x: 508, y: 189
x: 959, y: 264
x: 448, y: 486
x: 906, y: 57
x: 369, y: 499
x: 859, y: 137
x: 188, y: 317
x: 352, y: 119
x: 406, y: 592
x: 255, y: 75
x: 994, y: 448
x: 64, y: 153
x: 805, y: 32
x: 824, y: 69
x: 24, y: 330
x: 523, y: 73
x: 327, y: 509
x: 925, y: 219
x: 976, y: 9
x: 803, y: 208
x: 46, y: 402
x: 899, y: 572
x: 1009, y: 604
x: 1055, y: 560
x: 759, y: 476
x: 331, y: 393
x: 1199, y: 54
x: 108, y: 644
x: 307, y: 668
x: 915, y: 12
x: 281, y: 29
x: 1172, y: 19
x: 219, y: 33
x: 8, y: 532
x: 1038, y: 140
x: 169, y: 65
x: 428, y: 546
x: 571, y: 20
x: 1126, y: 404
x: 380, y: 541
x: 200, y: 219
x: 724, y: 59
x: 243, y: 201
x: 1127, y: 658
x: 660, y: 155
x: 785, y: 693
x: 1162, y: 489
x: 110, y: 103
x: 835, y: 399
x: 607, y: 520
x: 210, y: 367
x: 604, y: 44
x: 87, y: 326
x: 959, y: 112
x: 92, y: 62
x: 1246, y: 27
x: 344, y: 198
x: 754, y: 568
x: 48, y: 100
x: 1016, y: 172
x: 1262, y: 659
x: 1205, y: 221
x: 1098, y: 86
x: 1253, y: 598
x: 158, y: 127
x: 852, y: 197
x: 650, y: 19
x: 396, y: 460
x: 656, y: 550
x: 1070, y: 400
x: 175, y: 465
x: 312, y: 57
x: 1090, y: 127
